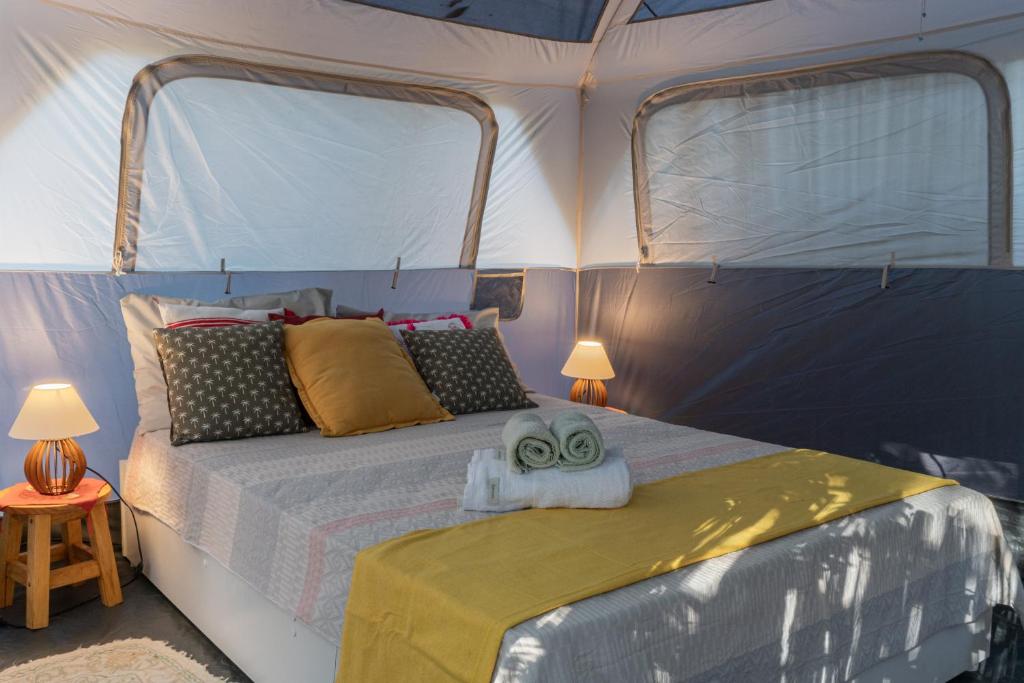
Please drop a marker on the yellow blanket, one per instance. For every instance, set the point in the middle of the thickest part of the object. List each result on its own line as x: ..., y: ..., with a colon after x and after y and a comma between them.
x: 434, y: 605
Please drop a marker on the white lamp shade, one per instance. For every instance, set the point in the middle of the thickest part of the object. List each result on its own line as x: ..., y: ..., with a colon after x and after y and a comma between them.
x: 52, y: 412
x: 588, y: 361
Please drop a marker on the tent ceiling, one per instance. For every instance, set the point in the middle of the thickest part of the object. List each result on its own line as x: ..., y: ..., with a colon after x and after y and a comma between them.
x: 361, y: 32
x: 763, y: 31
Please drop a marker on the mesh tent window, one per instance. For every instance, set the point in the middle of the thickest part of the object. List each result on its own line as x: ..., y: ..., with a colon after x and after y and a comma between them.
x: 662, y: 9
x: 573, y: 21
x: 836, y: 166
x: 275, y: 168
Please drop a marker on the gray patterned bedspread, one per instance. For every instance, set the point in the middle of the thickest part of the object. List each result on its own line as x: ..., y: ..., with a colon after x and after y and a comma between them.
x: 289, y: 513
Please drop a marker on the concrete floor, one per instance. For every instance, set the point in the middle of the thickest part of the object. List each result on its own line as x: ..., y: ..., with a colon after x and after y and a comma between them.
x: 146, y: 613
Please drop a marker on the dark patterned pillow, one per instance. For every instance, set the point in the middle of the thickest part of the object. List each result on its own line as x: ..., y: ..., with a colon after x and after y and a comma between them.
x: 468, y: 370
x: 227, y: 382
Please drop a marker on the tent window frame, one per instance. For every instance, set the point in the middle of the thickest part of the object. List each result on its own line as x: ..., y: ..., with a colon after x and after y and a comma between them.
x: 151, y: 79
x: 983, y: 72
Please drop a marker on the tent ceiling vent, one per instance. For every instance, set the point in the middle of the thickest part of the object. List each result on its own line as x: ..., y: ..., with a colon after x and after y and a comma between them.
x: 662, y: 9
x: 565, y: 20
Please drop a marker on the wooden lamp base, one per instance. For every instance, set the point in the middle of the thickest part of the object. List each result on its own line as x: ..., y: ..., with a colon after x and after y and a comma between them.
x: 591, y: 391
x: 54, y: 468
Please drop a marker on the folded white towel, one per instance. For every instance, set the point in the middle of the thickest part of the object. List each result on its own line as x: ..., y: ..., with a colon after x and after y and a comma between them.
x: 492, y: 487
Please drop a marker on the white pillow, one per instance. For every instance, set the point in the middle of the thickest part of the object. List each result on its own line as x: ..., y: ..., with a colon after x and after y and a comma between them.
x: 445, y: 324
x: 482, y: 319
x: 182, y: 315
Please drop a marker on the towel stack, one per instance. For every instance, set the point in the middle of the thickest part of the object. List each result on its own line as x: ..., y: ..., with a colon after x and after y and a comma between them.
x: 561, y: 466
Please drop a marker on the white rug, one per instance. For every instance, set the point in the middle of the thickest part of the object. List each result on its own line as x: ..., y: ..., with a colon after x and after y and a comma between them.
x: 137, y: 660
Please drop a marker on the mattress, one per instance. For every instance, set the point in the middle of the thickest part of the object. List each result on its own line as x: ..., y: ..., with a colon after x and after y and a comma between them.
x: 288, y: 514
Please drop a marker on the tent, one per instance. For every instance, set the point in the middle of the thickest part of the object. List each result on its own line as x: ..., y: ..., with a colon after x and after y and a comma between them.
x: 146, y: 148
x: 791, y: 221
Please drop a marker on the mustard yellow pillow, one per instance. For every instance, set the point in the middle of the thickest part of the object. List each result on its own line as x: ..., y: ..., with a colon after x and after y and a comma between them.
x: 353, y: 378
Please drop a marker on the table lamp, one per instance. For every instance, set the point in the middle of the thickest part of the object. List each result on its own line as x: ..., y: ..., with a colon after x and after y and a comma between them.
x: 589, y: 364
x: 52, y: 414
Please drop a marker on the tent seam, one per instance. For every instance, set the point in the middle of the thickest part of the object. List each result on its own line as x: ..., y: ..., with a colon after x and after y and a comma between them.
x: 585, y: 79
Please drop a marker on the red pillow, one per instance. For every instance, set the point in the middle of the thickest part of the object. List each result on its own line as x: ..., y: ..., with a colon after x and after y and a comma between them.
x: 293, y: 318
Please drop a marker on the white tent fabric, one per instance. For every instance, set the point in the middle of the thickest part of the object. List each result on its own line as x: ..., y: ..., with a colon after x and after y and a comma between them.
x: 836, y: 175
x: 278, y: 178
x: 68, y: 65
x: 358, y: 34
x: 707, y: 41
x: 70, y: 71
x: 608, y: 212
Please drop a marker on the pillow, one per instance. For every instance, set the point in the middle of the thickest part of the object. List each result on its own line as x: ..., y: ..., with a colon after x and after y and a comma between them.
x: 468, y: 370
x: 451, y: 322
x: 227, y: 382
x: 309, y: 301
x: 354, y: 379
x: 142, y: 315
x: 348, y: 313
x: 182, y: 315
x: 481, y: 319
x: 290, y: 317
x: 487, y: 317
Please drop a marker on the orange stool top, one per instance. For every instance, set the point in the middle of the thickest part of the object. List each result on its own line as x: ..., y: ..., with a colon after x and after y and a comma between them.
x: 23, y: 499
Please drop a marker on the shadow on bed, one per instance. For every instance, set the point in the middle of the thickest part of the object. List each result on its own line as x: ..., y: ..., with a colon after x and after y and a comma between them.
x: 834, y: 613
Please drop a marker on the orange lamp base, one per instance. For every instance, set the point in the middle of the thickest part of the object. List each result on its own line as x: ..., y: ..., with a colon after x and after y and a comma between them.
x: 54, y: 468
x: 591, y: 391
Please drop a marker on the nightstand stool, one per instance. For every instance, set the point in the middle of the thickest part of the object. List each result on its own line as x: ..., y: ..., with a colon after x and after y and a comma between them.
x: 24, y: 508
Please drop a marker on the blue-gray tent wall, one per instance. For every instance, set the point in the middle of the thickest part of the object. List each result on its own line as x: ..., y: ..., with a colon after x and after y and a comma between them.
x: 927, y: 374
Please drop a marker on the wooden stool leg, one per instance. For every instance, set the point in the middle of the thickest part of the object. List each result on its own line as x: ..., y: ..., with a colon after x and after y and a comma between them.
x: 10, y: 547
x: 103, y: 551
x: 71, y: 535
x: 37, y: 614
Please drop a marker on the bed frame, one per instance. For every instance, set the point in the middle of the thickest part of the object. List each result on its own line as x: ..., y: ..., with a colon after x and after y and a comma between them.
x: 270, y: 645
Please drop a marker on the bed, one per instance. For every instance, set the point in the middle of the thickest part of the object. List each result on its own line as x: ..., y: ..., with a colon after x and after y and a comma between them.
x: 254, y: 540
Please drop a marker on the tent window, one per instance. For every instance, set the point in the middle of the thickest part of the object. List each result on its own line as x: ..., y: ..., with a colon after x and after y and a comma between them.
x: 660, y: 9
x: 840, y: 166
x: 275, y: 169
x: 565, y: 20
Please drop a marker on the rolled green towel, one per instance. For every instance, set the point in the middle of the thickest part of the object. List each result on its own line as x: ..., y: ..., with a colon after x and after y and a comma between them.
x: 580, y: 445
x: 529, y: 444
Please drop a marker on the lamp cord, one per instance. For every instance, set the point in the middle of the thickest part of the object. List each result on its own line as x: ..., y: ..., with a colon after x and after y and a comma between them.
x: 135, y: 574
